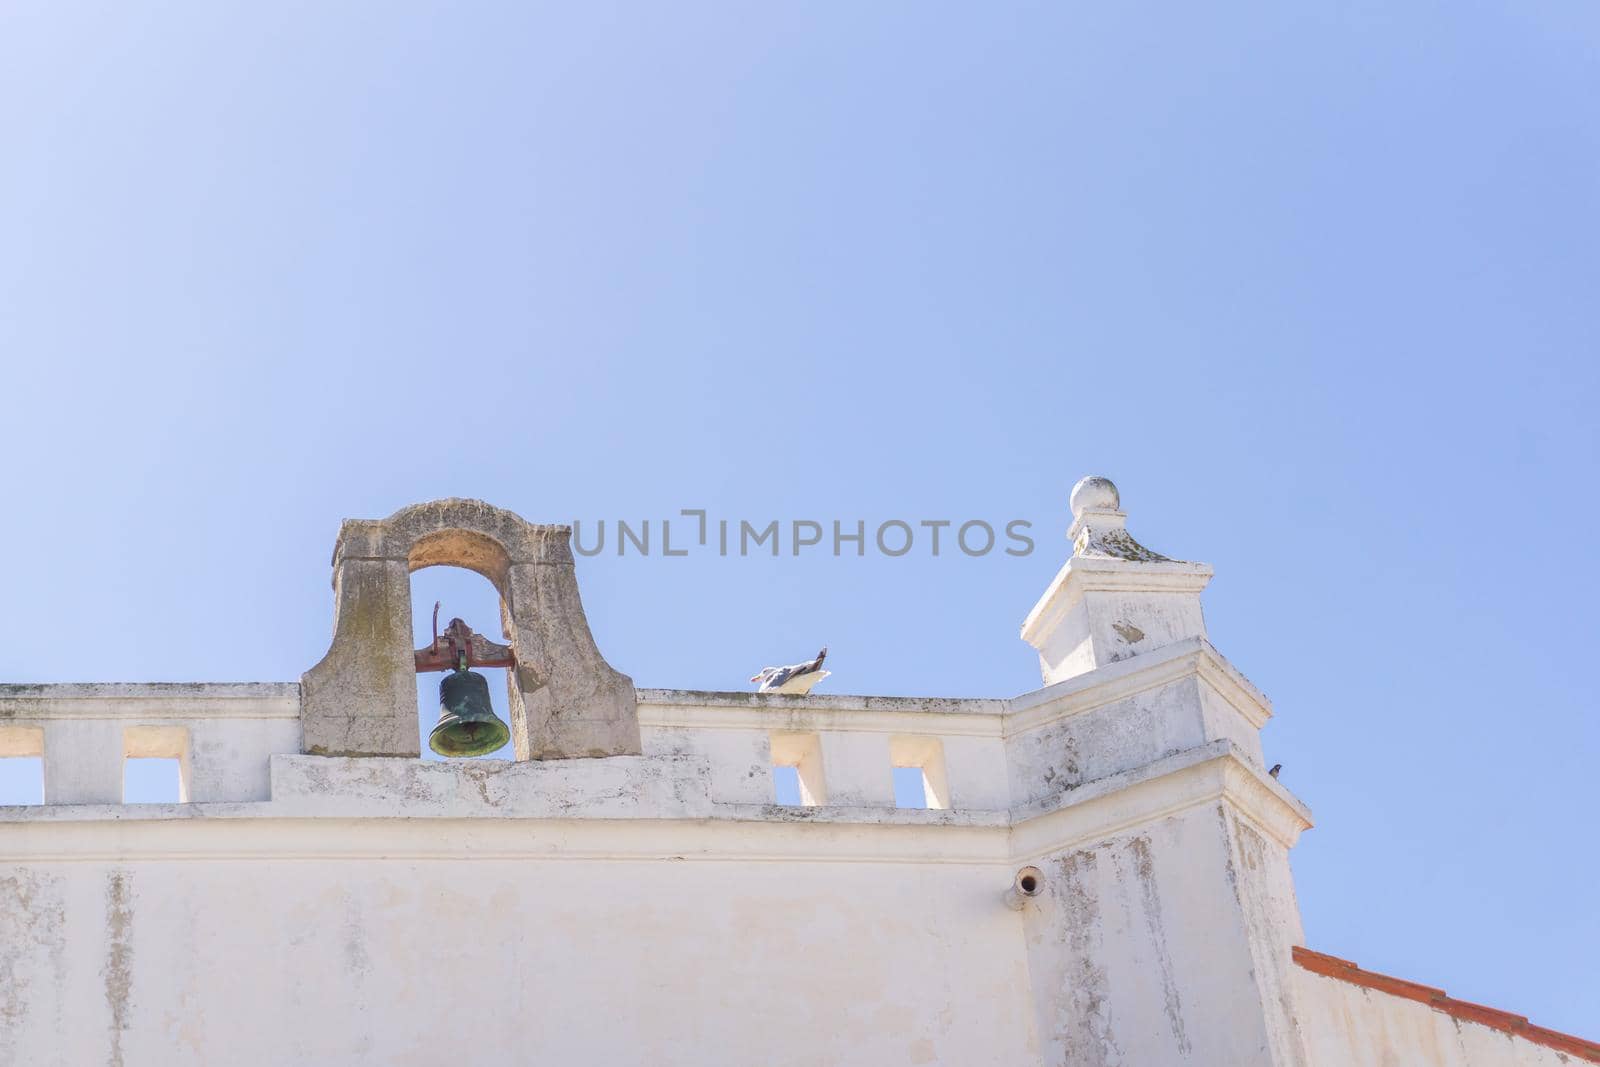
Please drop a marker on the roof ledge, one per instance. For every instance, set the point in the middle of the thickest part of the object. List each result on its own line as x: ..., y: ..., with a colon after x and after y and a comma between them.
x: 1437, y: 999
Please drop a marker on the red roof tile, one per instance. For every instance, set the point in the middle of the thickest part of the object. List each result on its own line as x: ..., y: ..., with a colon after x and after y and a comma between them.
x: 1438, y: 1000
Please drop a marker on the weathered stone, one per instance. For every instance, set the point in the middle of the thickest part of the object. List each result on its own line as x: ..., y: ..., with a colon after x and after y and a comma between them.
x: 572, y: 702
x: 565, y: 699
x: 1114, y: 598
x: 361, y: 700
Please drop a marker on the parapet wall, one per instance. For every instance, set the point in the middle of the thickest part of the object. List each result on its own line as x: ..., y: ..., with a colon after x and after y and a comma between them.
x: 977, y: 755
x: 223, y: 735
x: 662, y: 906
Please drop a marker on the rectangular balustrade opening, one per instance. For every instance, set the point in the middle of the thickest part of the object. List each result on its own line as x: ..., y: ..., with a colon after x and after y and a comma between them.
x: 155, y: 765
x: 918, y: 769
x: 797, y: 770
x: 21, y: 765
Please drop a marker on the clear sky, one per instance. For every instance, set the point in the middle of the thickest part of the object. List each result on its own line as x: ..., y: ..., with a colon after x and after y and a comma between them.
x: 1314, y: 283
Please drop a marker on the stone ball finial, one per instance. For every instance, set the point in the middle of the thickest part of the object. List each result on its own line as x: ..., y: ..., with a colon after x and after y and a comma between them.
x: 1094, y: 493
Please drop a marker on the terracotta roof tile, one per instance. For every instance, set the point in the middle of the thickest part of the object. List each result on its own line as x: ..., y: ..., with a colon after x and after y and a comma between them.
x: 1437, y: 999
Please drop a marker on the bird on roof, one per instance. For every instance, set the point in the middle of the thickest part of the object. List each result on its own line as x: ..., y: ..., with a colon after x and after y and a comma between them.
x: 1276, y: 767
x: 795, y: 678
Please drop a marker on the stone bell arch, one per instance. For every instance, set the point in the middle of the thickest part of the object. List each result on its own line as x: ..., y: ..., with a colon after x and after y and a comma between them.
x: 361, y: 699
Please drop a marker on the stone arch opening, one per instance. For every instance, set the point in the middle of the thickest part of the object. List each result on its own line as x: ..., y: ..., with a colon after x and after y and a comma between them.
x: 466, y: 549
x: 465, y: 593
x: 565, y: 700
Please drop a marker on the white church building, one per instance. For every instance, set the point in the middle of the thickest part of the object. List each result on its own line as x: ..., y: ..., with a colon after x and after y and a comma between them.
x: 1100, y: 876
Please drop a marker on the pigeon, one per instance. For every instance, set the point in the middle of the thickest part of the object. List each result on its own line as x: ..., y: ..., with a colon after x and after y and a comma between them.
x: 795, y: 678
x: 1276, y: 767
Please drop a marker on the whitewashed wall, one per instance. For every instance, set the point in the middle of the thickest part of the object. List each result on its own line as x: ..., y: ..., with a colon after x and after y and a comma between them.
x: 662, y: 909
x: 1349, y: 1026
x: 446, y: 941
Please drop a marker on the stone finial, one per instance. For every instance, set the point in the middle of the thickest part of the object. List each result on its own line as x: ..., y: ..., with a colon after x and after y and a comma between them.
x: 1094, y: 493
x: 1099, y: 526
x: 360, y: 700
x: 1114, y: 598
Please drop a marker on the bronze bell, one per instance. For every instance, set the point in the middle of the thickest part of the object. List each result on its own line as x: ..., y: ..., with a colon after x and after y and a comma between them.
x: 467, y: 723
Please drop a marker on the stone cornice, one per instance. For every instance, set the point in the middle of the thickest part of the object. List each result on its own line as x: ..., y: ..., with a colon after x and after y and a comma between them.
x: 959, y: 716
x: 1088, y: 574
x: 126, y: 700
x: 668, y: 708
x: 1208, y: 774
x: 351, y: 819
x: 238, y: 835
x: 712, y: 698
x: 696, y: 709
x: 1118, y: 681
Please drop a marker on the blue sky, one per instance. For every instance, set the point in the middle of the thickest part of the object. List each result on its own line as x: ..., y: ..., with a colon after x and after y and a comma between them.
x: 1315, y: 284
